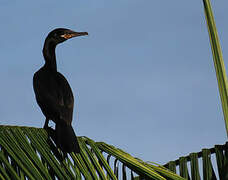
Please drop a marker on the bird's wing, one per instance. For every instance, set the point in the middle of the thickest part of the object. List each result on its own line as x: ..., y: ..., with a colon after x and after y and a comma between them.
x: 65, y: 91
x: 66, y: 98
x: 54, y: 96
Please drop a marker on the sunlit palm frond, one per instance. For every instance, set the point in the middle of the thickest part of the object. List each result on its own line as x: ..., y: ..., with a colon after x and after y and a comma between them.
x: 218, y: 59
x: 27, y: 152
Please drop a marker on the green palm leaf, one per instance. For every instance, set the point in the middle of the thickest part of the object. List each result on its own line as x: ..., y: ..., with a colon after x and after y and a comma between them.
x: 27, y: 152
x: 218, y: 59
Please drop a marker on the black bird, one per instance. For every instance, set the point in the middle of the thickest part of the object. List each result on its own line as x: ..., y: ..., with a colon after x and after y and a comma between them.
x: 53, y: 92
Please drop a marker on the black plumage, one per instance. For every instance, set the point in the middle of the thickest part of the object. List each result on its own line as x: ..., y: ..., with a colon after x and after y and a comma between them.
x: 53, y: 92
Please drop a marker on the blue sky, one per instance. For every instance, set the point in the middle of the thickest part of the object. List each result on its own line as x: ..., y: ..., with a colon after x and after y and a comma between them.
x: 143, y: 79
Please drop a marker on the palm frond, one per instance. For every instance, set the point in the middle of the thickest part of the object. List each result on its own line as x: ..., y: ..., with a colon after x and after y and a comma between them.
x: 218, y: 59
x: 28, y: 153
x: 205, y: 159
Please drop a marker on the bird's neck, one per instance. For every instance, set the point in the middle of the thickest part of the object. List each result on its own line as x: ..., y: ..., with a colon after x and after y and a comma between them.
x: 49, y: 55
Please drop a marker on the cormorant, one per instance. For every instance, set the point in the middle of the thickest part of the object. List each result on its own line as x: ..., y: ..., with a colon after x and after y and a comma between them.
x: 53, y: 92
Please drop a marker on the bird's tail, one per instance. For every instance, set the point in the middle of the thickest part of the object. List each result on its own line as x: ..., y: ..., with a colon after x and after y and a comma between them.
x: 66, y: 138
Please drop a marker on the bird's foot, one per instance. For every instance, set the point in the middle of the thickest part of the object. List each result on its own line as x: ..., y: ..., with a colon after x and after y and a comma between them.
x: 46, y: 124
x: 46, y: 127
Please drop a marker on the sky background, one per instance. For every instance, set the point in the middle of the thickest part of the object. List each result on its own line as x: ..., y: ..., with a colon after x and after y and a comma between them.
x: 143, y: 79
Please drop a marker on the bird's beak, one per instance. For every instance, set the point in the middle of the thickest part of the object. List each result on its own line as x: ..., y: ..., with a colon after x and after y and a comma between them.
x: 73, y: 34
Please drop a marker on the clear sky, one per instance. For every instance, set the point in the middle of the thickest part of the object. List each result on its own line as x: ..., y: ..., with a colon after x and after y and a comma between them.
x: 143, y: 79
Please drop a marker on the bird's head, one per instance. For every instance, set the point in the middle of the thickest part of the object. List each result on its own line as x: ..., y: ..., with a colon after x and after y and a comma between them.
x: 60, y: 35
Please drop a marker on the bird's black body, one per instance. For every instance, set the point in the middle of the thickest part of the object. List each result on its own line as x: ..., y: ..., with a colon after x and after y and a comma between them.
x: 53, y: 92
